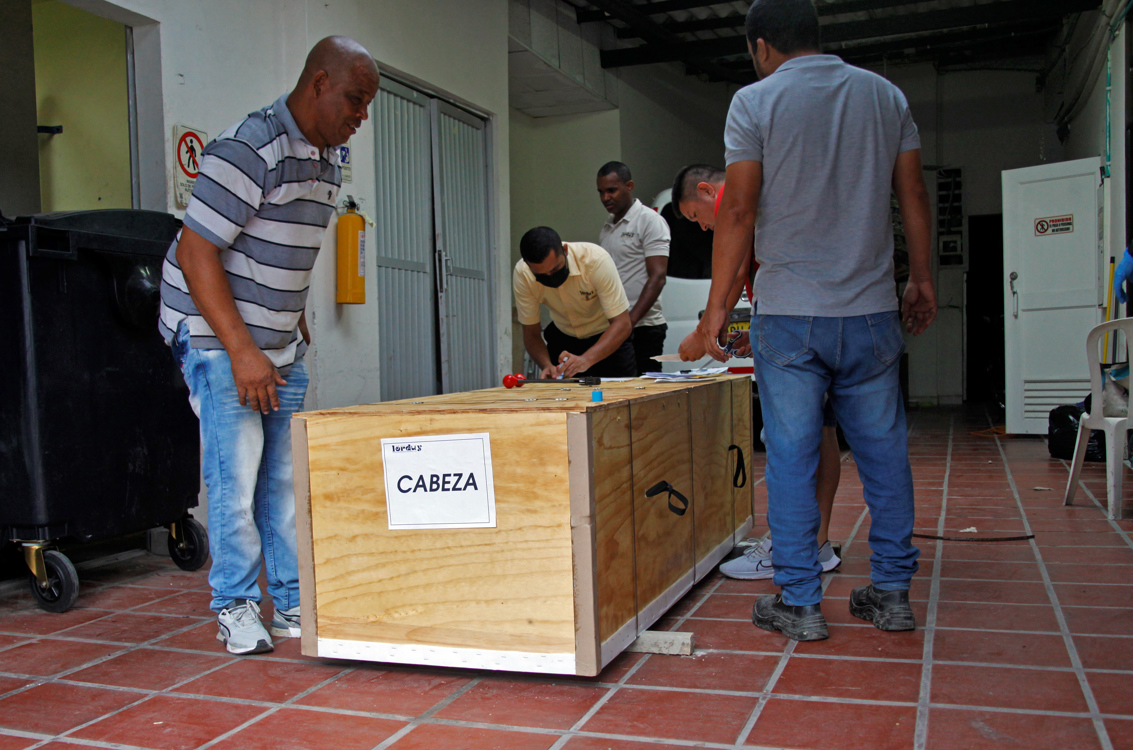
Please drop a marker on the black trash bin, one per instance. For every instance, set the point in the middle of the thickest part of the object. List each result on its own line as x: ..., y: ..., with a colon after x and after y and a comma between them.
x: 97, y: 439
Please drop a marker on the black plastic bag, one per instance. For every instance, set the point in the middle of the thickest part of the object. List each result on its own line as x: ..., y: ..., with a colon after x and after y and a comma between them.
x: 1062, y: 435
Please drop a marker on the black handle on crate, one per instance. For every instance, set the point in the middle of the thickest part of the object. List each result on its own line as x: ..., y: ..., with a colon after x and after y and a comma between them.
x: 739, y: 479
x: 677, y: 507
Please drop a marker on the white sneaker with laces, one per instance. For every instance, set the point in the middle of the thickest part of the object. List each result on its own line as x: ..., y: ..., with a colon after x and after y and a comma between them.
x: 827, y: 558
x: 753, y: 565
x: 241, y: 630
x: 285, y: 623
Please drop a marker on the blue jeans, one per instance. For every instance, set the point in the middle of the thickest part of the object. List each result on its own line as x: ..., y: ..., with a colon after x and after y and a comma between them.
x: 798, y: 360
x: 246, y: 462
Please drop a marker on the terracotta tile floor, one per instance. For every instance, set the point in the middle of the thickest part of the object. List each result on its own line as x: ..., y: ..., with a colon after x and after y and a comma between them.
x: 1022, y: 644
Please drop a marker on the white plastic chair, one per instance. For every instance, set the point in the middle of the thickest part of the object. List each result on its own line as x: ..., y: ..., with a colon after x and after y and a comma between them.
x: 1115, y: 427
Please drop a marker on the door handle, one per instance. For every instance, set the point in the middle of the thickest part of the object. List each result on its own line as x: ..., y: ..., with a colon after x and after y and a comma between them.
x: 1014, y: 293
x: 442, y: 275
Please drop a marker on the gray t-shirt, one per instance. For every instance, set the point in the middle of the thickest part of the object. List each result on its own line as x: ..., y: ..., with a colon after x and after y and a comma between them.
x: 828, y: 135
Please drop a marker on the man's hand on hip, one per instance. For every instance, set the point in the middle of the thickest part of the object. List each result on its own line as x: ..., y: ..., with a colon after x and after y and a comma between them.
x: 256, y: 379
x: 918, y: 306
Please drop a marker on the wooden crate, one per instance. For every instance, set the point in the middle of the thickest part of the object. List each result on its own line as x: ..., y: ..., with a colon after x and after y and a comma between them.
x: 579, y: 561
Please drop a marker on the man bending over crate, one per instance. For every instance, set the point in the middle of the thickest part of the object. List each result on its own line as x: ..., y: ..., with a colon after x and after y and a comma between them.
x: 233, y: 289
x: 589, y: 333
x: 697, y: 192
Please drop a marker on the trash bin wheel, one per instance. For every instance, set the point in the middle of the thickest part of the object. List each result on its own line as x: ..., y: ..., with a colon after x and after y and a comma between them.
x: 62, y: 583
x: 193, y: 552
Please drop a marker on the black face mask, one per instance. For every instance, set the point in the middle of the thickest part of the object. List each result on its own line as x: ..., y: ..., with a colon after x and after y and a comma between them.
x: 556, y: 279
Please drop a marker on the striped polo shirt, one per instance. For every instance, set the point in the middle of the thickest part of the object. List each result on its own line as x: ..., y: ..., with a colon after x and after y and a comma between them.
x: 264, y: 196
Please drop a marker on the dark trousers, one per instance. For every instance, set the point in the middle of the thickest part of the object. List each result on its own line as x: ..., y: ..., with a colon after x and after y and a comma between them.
x: 620, y: 364
x: 649, y: 342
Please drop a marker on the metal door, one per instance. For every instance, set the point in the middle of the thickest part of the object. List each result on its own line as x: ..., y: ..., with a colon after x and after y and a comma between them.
x: 460, y: 188
x: 404, y: 254
x: 1053, y: 246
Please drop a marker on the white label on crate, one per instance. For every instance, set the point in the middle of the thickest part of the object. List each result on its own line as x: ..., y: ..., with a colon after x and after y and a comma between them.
x: 439, y: 482
x: 362, y: 252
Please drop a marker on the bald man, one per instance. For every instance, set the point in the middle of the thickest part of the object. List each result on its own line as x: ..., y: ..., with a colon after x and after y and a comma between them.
x: 233, y: 292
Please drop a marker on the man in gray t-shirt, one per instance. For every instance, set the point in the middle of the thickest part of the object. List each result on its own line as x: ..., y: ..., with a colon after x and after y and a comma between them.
x: 814, y: 150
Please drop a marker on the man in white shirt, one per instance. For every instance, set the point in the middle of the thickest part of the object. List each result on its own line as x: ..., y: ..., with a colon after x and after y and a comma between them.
x: 637, y: 238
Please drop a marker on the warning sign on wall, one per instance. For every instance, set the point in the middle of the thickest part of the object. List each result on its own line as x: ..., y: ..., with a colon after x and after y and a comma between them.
x: 1054, y: 225
x: 188, y: 143
x: 344, y: 162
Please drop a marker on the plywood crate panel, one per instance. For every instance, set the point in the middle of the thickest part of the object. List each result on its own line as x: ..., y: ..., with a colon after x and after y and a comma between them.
x: 579, y: 560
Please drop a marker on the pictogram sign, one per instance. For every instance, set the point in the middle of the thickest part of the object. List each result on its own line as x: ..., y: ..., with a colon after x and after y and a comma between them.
x: 188, y: 146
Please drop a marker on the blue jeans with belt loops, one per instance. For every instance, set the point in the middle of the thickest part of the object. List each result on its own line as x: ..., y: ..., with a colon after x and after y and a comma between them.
x: 856, y: 360
x: 246, y: 463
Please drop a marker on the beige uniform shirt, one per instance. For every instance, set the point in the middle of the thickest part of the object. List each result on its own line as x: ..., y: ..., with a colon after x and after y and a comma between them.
x: 642, y: 233
x: 583, y: 305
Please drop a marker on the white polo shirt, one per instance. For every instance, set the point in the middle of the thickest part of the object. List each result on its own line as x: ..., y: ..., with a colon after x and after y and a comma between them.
x: 641, y: 234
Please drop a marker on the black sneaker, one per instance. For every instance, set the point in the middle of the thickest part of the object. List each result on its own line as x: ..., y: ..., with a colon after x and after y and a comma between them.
x: 799, y: 623
x: 887, y: 610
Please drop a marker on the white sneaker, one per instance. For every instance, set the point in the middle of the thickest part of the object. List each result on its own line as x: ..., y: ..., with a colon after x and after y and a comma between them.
x: 828, y: 558
x: 755, y: 542
x: 241, y: 630
x: 753, y: 565
x: 285, y: 623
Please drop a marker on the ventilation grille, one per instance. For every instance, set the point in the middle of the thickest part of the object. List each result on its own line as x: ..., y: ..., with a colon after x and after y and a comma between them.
x: 1040, y: 396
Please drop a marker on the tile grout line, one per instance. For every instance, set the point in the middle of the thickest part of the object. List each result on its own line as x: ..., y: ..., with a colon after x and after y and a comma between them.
x: 1060, y: 617
x: 769, y: 686
x: 142, y: 699
x: 1093, y: 498
x: 278, y: 707
x: 123, y: 649
x: 920, y: 733
x: 577, y: 726
x: 168, y: 691
x: 424, y: 717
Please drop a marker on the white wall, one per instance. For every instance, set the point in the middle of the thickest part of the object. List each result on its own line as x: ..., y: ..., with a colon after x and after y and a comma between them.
x: 221, y: 60
x: 669, y: 120
x: 554, y: 161
x: 983, y: 121
x: 1088, y: 138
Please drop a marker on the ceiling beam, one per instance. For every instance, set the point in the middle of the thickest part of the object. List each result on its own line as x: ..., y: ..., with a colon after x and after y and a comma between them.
x: 947, y: 49
x: 946, y: 40
x: 825, y: 10
x: 910, y: 23
x: 591, y: 15
x: 653, y: 32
